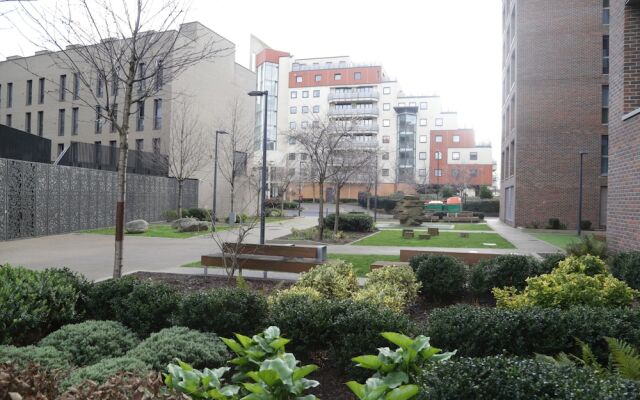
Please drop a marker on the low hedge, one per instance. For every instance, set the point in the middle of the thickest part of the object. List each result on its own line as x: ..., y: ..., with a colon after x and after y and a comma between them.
x: 441, y: 276
x: 45, y: 356
x: 103, y: 370
x: 223, y: 311
x: 487, y: 207
x: 502, y: 271
x: 483, y: 331
x: 626, y: 267
x: 504, y: 378
x: 350, y: 222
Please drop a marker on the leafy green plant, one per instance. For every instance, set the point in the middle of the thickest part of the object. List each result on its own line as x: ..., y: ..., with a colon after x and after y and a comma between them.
x: 626, y: 266
x: 46, y: 356
x: 441, y: 276
x: 103, y: 370
x: 588, y: 245
x: 350, y: 222
x: 207, y: 384
x: 335, y: 280
x: 280, y: 378
x: 501, y: 271
x: 395, y: 369
x: 400, y: 277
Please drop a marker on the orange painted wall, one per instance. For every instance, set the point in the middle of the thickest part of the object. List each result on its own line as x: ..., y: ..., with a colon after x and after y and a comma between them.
x: 368, y: 75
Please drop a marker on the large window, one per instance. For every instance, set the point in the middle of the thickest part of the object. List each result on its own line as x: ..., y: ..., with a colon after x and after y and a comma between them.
x: 605, y: 104
x: 98, y: 122
x: 76, y: 86
x: 605, y: 12
x: 140, y: 116
x: 605, y: 54
x: 29, y: 94
x: 27, y: 122
x: 157, y: 114
x: 61, y: 113
x: 438, y: 155
x: 9, y: 94
x: 41, y: 91
x: 604, y: 155
x: 40, y: 123
x: 62, y: 88
x: 74, y: 120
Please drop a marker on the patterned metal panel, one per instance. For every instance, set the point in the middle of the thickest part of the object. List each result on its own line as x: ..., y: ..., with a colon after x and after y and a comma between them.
x: 3, y: 199
x: 42, y: 179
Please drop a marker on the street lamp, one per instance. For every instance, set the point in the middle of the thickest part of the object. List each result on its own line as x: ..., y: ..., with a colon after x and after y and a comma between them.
x: 215, y: 181
x: 582, y: 154
x: 263, y: 189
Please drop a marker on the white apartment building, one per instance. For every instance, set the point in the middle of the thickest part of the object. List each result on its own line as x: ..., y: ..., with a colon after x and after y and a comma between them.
x: 42, y: 96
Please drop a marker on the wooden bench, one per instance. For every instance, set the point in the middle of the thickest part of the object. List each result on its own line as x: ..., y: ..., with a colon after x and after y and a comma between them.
x: 268, y: 257
x: 382, y: 264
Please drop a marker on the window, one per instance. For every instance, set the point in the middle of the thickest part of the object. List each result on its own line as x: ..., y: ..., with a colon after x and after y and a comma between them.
x: 155, y: 144
x: 298, y: 79
x: 357, y: 76
x: 423, y: 139
x: 422, y: 172
x: 60, y: 148
x: 303, y: 156
x: 74, y: 120
x: 385, y: 155
x: 385, y: 172
x: 437, y: 172
x: 401, y: 104
x: 473, y: 156
x: 292, y: 156
x: 292, y: 125
x: 140, y: 117
x: 438, y: 138
x: 386, y: 122
x: 157, y: 114
x: 337, y: 77
x: 386, y: 106
x: 76, y: 86
x: 40, y: 123
x: 100, y: 86
x: 294, y: 94
x: 61, y: 122
x: 423, y: 122
x: 315, y: 124
x: 98, y: 122
x: 141, y: 75
x: 139, y: 144
x: 605, y: 12
x: 456, y: 138
x: 318, y: 78
x: 29, y: 94
x: 9, y: 94
x: 159, y: 75
x: 438, y: 155
x: 439, y: 122
x: 305, y: 109
x: 41, y: 91
x: 292, y: 140
x: 316, y: 109
x: 455, y: 155
x: 305, y: 94
x: 473, y: 172
x: 385, y: 139
x: 604, y: 155
x: 386, y: 90
x: 62, y: 88
x: 9, y: 120
x: 114, y: 116
x: 293, y: 110
x: 422, y: 155
x: 27, y: 122
x: 605, y: 104
x: 605, y: 54
x: 304, y: 124
x: 316, y: 93
x: 423, y: 106
x: 114, y: 84
x: 98, y: 150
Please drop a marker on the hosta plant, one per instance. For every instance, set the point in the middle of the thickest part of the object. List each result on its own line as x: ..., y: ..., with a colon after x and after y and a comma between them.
x: 394, y: 369
x: 206, y: 384
x: 280, y: 378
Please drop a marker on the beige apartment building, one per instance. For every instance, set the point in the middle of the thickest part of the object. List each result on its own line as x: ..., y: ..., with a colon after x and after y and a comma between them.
x: 40, y: 95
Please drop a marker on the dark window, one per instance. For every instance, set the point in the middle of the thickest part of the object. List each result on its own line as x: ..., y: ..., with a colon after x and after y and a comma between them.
x: 29, y: 92
x: 156, y: 146
x: 157, y: 114
x: 385, y: 155
x: 9, y: 120
x: 114, y: 117
x: 605, y: 12
x: 9, y: 94
x: 61, y: 114
x: 141, y: 76
x: 27, y: 122
x: 41, y: 91
x: 139, y: 144
x: 60, y: 148
x: 98, y: 119
x: 604, y: 155
x: 76, y: 86
x: 140, y: 116
x: 40, y: 123
x: 385, y: 172
x: 605, y: 54
x: 473, y: 156
x: 159, y: 75
x: 62, y: 88
x: 605, y: 104
x: 99, y: 85
x: 74, y: 120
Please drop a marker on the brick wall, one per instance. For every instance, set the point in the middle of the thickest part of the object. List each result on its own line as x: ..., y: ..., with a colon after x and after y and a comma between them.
x: 623, y: 228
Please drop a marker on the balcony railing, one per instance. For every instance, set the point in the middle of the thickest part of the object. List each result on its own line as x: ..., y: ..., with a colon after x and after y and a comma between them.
x: 354, y: 95
x: 353, y: 112
x: 373, y: 128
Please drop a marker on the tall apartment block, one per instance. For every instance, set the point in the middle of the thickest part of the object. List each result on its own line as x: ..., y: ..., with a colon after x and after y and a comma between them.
x: 402, y: 125
x: 39, y: 95
x: 623, y: 229
x: 555, y: 105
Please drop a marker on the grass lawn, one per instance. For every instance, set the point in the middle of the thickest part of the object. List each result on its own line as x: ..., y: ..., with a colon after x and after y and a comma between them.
x: 445, y: 239
x: 155, y: 230
x: 557, y: 239
x: 472, y: 227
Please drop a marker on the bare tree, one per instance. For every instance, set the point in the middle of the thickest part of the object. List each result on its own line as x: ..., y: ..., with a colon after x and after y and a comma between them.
x: 122, y: 52
x: 283, y: 176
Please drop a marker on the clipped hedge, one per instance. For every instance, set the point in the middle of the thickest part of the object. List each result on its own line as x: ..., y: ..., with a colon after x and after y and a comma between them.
x: 441, y: 276
x: 350, y: 222
x: 45, y: 356
x: 103, y: 370
x: 333, y: 280
x: 626, y: 266
x: 223, y: 311
x: 502, y: 271
x: 199, y: 349
x: 487, y: 207
x: 91, y: 341
x: 483, y: 331
x: 504, y: 378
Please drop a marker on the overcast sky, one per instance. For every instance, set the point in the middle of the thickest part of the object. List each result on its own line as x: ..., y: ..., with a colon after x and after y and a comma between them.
x: 447, y: 47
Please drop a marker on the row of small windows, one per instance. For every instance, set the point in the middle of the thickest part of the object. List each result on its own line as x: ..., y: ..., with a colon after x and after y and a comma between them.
x: 336, y: 77
x: 305, y: 94
x: 155, y: 144
x: 304, y: 109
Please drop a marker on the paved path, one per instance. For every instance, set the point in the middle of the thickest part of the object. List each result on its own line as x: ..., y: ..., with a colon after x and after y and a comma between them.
x: 522, y: 240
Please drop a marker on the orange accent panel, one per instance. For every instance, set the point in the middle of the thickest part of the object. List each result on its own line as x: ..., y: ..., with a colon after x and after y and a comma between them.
x: 270, y: 55
x: 368, y: 76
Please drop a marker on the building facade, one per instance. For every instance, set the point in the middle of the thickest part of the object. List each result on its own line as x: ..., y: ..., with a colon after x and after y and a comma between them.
x: 43, y: 96
x: 555, y: 105
x: 302, y: 91
x: 623, y: 229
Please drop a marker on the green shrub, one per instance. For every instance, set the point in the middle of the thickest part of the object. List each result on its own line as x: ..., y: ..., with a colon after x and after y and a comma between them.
x: 394, y: 287
x: 335, y: 280
x: 588, y: 245
x: 91, y: 341
x: 554, y: 223
x: 201, y: 214
x: 274, y: 212
x: 80, y: 284
x: 503, y: 378
x: 46, y: 356
x: 34, y: 303
x: 550, y: 262
x: 441, y: 276
x: 505, y: 270
x: 105, y: 369
x: 626, y: 266
x: 240, y: 218
x: 585, y: 225
x: 483, y: 331
x: 488, y: 207
x: 576, y: 281
x: 201, y: 349
x: 171, y: 215
x: 350, y: 222
x: 223, y: 311
x: 485, y: 193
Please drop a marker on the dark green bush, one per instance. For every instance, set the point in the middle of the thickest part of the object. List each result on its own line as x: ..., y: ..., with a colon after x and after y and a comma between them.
x: 240, y: 218
x: 350, y: 222
x: 554, y: 223
x: 199, y: 349
x: 442, y: 277
x: 488, y: 207
x: 223, y: 311
x: 201, y: 214
x: 585, y: 225
x: 34, y: 303
x: 626, y: 267
x: 105, y: 369
x: 91, y: 341
x: 588, y: 245
x: 143, y: 306
x: 483, y: 331
x: 485, y: 193
x: 505, y: 270
x: 46, y: 356
x: 550, y: 262
x: 504, y: 378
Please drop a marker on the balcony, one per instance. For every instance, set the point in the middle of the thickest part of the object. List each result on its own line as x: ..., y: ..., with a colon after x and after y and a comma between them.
x: 373, y: 128
x: 354, y: 95
x: 354, y: 112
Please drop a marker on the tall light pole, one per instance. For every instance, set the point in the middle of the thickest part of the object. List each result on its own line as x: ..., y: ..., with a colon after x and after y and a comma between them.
x: 263, y: 188
x: 582, y: 154
x: 215, y: 182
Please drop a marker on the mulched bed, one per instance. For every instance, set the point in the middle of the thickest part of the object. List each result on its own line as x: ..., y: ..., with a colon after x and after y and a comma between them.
x: 191, y: 283
x: 350, y: 238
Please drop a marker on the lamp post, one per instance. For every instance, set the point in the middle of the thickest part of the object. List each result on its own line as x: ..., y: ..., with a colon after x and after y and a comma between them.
x: 582, y: 154
x: 215, y: 181
x: 375, y: 194
x: 263, y: 188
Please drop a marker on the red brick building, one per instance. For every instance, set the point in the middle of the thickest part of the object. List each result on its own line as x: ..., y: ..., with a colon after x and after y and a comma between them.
x: 555, y: 105
x: 623, y: 229
x: 456, y: 159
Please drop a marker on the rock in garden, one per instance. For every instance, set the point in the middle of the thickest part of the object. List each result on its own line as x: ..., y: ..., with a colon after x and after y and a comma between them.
x: 137, y: 226
x: 182, y: 221
x: 194, y: 226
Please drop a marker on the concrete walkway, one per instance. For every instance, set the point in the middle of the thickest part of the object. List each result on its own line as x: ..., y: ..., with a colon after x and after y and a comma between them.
x: 523, y: 241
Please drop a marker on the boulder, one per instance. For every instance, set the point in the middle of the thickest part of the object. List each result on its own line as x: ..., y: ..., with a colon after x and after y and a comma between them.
x: 180, y: 221
x: 194, y: 226
x: 136, y: 226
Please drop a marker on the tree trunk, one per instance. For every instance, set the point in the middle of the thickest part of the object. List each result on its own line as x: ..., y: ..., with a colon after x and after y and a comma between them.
x: 180, y: 183
x: 282, y: 204
x: 336, y: 221
x: 368, y: 201
x: 233, y: 194
x: 321, y: 211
